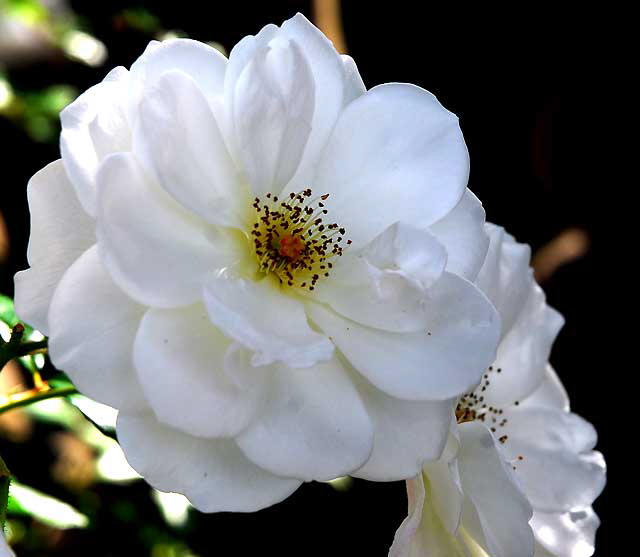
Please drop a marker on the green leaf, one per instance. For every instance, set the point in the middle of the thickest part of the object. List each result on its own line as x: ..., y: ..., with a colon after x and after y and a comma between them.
x: 7, y: 311
x: 8, y: 320
x: 9, y: 317
x: 51, y: 511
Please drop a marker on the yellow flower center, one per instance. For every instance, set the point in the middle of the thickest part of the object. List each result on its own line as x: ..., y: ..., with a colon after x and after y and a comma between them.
x: 292, y: 240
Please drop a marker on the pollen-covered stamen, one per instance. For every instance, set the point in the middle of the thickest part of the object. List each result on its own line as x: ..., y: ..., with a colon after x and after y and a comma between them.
x: 472, y: 407
x: 292, y: 239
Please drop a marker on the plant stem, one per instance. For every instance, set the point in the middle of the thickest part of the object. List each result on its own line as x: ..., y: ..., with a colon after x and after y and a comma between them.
x: 15, y: 348
x: 37, y: 397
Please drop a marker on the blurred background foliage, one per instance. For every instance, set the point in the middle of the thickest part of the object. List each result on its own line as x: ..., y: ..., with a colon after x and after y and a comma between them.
x: 515, y: 80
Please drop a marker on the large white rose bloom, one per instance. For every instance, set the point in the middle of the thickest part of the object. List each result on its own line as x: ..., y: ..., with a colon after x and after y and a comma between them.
x: 518, y: 475
x: 265, y: 267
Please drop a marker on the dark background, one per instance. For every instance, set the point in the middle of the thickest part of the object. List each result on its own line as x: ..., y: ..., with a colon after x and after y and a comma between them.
x: 522, y: 85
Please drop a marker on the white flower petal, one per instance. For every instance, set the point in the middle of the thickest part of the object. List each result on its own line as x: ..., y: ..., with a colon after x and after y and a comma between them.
x: 203, y: 63
x: 239, y: 57
x: 502, y: 509
x: 550, y: 394
x: 445, y: 483
x: 96, y: 353
x: 180, y: 359
x: 505, y: 276
x: 395, y: 154
x: 406, y: 534
x: 334, y: 88
x: 94, y: 125
x: 422, y: 533
x: 463, y: 235
x: 272, y: 107
x: 406, y: 433
x: 179, y: 141
x: 268, y: 321
x: 314, y: 426
x: 414, y: 252
x: 385, y: 285
x: 60, y: 232
x: 5, y: 550
x: 354, y: 86
x: 559, y: 471
x: 524, y: 352
x: 157, y: 251
x: 335, y: 84
x: 570, y: 534
x: 429, y: 365
x: 213, y: 474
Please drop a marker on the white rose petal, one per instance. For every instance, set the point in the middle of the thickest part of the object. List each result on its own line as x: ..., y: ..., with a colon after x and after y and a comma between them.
x: 60, y: 232
x: 212, y: 473
x: 96, y: 353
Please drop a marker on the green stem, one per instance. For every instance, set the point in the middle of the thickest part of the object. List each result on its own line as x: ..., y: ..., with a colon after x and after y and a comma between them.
x: 15, y: 348
x: 44, y: 395
x: 27, y: 348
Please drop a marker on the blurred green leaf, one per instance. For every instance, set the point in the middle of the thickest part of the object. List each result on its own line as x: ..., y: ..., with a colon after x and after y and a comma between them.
x: 8, y: 313
x: 141, y: 19
x: 52, y: 100
x: 38, y: 111
x: 41, y: 110
x: 30, y: 12
x: 24, y: 500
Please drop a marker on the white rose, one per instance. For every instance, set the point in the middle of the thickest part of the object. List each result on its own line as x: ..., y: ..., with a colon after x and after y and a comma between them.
x: 266, y: 268
x: 519, y: 474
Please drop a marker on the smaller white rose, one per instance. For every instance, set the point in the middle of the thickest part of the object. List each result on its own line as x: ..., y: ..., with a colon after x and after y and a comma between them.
x: 519, y: 474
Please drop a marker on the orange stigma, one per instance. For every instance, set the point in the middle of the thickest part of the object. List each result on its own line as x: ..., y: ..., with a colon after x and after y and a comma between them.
x: 291, y: 247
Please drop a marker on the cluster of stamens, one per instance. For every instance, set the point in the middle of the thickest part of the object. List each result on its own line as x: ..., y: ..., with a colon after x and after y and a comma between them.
x: 472, y: 407
x: 292, y: 240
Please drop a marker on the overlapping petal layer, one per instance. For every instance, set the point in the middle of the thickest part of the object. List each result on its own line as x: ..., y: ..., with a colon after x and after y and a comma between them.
x: 156, y: 250
x: 96, y: 353
x: 60, y: 232
x: 386, y: 284
x: 94, y: 125
x: 498, y: 513
x: 420, y: 178
x: 267, y: 321
x: 212, y: 473
x: 181, y: 360
x: 180, y: 141
x: 431, y: 368
x: 314, y: 425
x: 406, y: 433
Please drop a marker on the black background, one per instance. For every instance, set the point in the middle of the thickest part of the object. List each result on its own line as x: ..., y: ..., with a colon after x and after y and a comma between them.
x: 525, y: 87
